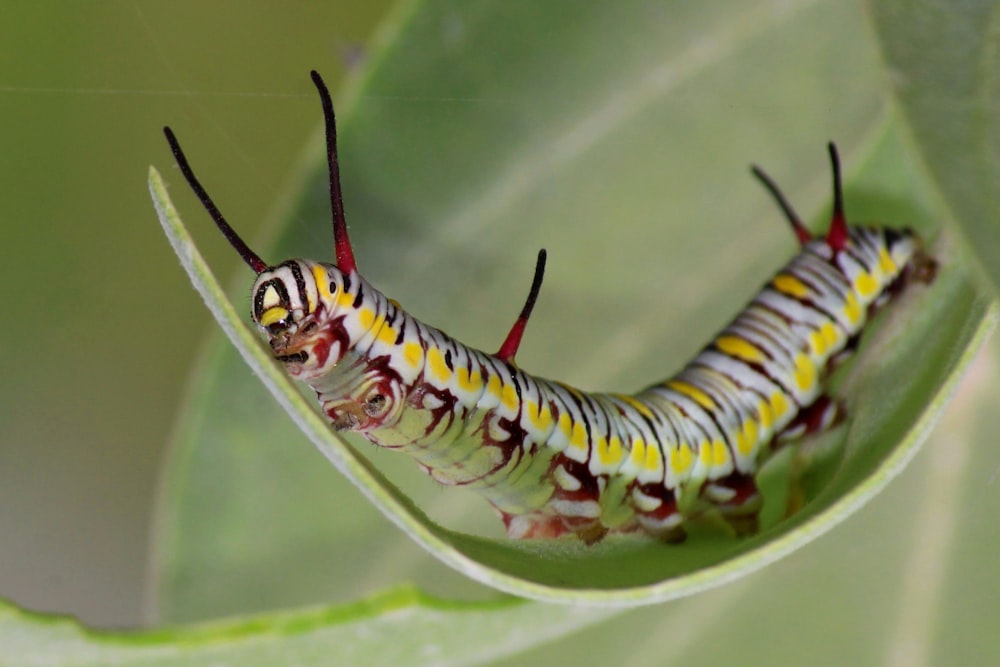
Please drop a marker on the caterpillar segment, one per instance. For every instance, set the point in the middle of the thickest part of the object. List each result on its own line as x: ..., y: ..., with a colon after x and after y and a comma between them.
x: 554, y: 460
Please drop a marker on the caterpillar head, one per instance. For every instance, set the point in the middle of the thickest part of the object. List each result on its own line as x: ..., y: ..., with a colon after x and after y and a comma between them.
x: 295, y: 305
x: 294, y: 302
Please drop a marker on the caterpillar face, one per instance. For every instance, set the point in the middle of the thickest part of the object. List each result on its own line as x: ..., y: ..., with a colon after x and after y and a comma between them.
x: 295, y: 304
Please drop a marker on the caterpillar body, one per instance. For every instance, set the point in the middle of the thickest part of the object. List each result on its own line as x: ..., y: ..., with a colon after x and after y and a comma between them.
x: 554, y: 460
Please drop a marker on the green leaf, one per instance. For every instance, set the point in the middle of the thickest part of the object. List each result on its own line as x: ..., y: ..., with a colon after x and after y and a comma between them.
x: 481, y: 129
x: 397, y: 627
x: 944, y: 66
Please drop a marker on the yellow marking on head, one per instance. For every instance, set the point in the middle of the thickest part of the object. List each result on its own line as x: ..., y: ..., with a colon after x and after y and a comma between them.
x: 852, y: 309
x: 865, y: 284
x: 779, y: 404
x: 578, y: 440
x: 435, y: 360
x: 886, y: 263
x: 681, y: 458
x: 789, y: 284
x: 540, y: 416
x: 739, y: 348
x: 509, y: 396
x: 720, y: 453
x: 272, y: 315
x: 610, y: 451
x: 692, y: 392
x: 805, y: 372
x: 413, y: 353
x: 271, y: 298
x: 639, y: 406
x: 469, y: 381
x: 345, y: 299
x: 322, y: 282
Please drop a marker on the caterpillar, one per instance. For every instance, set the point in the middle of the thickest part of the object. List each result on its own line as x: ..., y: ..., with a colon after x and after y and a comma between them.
x: 552, y: 459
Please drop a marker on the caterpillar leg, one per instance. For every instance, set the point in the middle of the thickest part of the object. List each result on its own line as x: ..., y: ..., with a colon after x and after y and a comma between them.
x: 738, y: 500
x: 547, y: 526
x: 824, y: 414
x: 657, y: 514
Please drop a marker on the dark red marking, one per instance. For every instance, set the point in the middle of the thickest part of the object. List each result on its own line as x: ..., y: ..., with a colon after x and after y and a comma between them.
x: 249, y: 256
x: 838, y: 233
x: 742, y: 511
x: 513, y: 340
x: 341, y: 243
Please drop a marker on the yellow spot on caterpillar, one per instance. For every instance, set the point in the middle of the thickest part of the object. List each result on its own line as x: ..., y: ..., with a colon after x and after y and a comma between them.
x: 578, y: 439
x: 681, y: 458
x: 817, y: 343
x: 345, y: 299
x: 765, y: 415
x: 467, y: 381
x: 779, y: 404
x: 748, y: 437
x: 789, y: 284
x: 632, y: 401
x: 609, y: 451
x: 829, y: 333
x: 638, y: 453
x: 865, y: 284
x: 435, y: 360
x: 885, y: 262
x: 509, y: 396
x: 852, y: 309
x: 494, y: 387
x: 387, y: 335
x: 273, y: 315
x: 540, y: 416
x: 322, y: 282
x: 654, y: 458
x: 805, y: 372
x: 720, y: 453
x: 739, y: 348
x: 395, y: 303
x: 705, y: 453
x: 565, y: 425
x: 413, y: 353
x: 693, y: 392
x: 366, y: 318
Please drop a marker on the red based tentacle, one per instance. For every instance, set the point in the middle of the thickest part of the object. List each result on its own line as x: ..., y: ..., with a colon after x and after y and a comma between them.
x: 838, y: 233
x: 801, y: 232
x: 513, y: 340
x: 248, y: 255
x: 341, y: 243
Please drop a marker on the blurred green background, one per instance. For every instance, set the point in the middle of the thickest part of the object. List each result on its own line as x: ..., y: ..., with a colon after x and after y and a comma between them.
x: 100, y: 325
